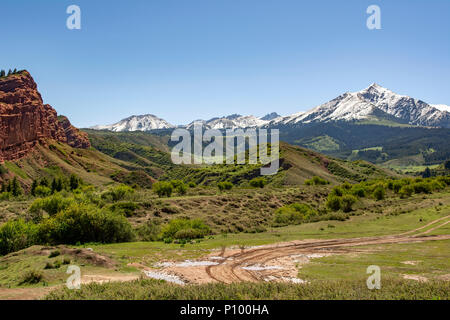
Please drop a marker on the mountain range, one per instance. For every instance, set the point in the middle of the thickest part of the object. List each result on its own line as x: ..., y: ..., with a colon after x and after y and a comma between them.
x: 374, y: 103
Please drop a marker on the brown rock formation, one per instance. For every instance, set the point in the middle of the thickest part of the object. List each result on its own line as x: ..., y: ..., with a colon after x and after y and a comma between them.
x: 26, y: 121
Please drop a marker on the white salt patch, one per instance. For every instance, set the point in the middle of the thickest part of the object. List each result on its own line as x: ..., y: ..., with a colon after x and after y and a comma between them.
x: 164, y: 276
x: 294, y: 280
x: 217, y: 258
x: 189, y: 263
x: 258, y: 267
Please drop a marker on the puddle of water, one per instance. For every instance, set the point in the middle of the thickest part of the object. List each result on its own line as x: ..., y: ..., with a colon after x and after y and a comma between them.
x: 258, y: 267
x: 164, y: 276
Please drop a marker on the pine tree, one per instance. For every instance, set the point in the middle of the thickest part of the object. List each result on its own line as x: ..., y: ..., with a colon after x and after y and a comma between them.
x: 2, y: 73
x: 15, y: 71
x: 44, y: 182
x: 74, y: 182
x: 33, y: 188
x: 16, y: 188
x: 426, y: 173
x: 54, y: 185
x: 9, y: 72
x: 3, y: 187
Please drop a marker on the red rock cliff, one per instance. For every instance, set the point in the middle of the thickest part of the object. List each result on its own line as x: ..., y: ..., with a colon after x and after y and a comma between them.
x: 26, y: 121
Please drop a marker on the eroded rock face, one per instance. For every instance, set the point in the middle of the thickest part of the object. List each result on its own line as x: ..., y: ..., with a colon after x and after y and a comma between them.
x: 25, y: 121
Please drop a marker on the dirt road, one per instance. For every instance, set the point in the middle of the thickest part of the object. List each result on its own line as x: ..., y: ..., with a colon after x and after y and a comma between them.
x: 279, y: 262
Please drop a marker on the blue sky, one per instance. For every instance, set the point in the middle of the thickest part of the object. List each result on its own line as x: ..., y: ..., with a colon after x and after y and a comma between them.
x: 184, y: 60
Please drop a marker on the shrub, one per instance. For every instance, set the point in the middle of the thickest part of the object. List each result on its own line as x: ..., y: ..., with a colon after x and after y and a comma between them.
x: 225, y: 185
x: 85, y: 223
x: 358, y: 191
x: 406, y: 191
x: 31, y: 277
x: 379, y: 192
x: 163, y: 188
x: 185, y: 229
x: 41, y: 191
x: 181, y: 189
x: 421, y: 187
x: 294, y: 214
x: 127, y: 208
x: 54, y: 254
x: 192, y: 184
x: 347, y: 202
x: 397, y: 185
x: 316, y: 181
x: 337, y: 191
x: 258, y: 182
x: 150, y: 231
x: 334, y: 202
x: 118, y: 193
x: 16, y: 235
x: 52, y: 205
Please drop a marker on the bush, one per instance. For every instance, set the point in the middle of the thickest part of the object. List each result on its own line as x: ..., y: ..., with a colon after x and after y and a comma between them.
x: 150, y: 231
x: 358, y: 191
x: 379, y: 192
x: 52, y: 205
x: 163, y: 188
x: 31, y: 277
x: 406, y: 191
x: 334, y: 202
x: 185, y: 229
x: 41, y: 191
x: 258, y: 182
x: 225, y: 185
x: 85, y: 223
x: 54, y: 254
x: 181, y: 189
x: 126, y: 208
x: 192, y: 184
x: 118, y: 193
x: 316, y: 181
x: 421, y: 187
x: 337, y: 191
x: 347, y: 202
x: 294, y: 214
x: 16, y: 235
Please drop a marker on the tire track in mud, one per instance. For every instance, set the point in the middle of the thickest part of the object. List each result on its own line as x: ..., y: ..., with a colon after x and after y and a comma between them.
x: 230, y: 270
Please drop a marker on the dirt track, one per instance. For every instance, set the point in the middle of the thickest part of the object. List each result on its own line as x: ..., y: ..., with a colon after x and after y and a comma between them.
x: 278, y: 262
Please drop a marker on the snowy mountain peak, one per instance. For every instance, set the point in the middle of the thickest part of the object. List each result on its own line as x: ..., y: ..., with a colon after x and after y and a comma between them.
x: 145, y: 122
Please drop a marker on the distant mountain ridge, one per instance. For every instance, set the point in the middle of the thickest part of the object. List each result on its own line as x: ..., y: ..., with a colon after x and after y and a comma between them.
x: 374, y: 103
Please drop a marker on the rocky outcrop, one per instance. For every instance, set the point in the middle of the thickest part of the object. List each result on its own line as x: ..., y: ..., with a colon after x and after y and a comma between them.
x: 26, y: 121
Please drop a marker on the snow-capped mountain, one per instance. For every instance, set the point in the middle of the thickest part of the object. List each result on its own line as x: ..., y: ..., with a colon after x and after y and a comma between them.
x: 234, y: 121
x: 441, y: 107
x: 374, y: 102
x: 146, y: 122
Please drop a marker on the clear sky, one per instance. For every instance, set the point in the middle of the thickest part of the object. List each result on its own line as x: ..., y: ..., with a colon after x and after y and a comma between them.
x: 189, y: 59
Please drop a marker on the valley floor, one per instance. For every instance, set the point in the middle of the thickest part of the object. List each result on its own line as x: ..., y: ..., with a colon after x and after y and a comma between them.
x: 322, y: 260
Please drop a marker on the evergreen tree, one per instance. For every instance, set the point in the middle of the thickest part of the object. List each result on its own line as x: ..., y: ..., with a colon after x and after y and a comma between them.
x: 16, y: 188
x: 74, y: 182
x: 33, y: 188
x: 15, y: 71
x: 447, y: 165
x: 2, y: 73
x: 54, y: 185
x: 426, y: 173
x: 9, y: 72
x: 44, y: 182
x: 3, y: 187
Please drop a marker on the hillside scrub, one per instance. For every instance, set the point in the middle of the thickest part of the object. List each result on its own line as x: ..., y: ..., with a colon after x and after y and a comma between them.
x: 316, y: 181
x: 294, y: 214
x: 184, y: 229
